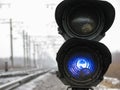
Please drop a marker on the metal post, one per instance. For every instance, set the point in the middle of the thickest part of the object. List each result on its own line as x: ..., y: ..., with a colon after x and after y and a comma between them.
x: 6, y: 66
x: 24, y: 51
x: 34, y: 54
x: 11, y: 44
x: 37, y: 45
x: 29, y: 49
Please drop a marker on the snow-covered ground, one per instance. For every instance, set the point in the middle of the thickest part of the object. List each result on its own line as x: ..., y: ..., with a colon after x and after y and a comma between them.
x: 6, y: 80
x: 12, y: 75
x: 9, y: 76
x: 110, y: 84
x: 49, y: 81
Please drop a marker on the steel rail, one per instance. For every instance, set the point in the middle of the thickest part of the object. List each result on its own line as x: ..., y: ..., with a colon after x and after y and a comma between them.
x: 20, y: 81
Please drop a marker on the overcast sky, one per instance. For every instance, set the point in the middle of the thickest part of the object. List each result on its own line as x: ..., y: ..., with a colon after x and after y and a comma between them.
x: 37, y: 18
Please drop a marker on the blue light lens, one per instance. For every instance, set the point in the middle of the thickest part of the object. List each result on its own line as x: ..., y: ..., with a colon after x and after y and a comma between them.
x: 81, y: 66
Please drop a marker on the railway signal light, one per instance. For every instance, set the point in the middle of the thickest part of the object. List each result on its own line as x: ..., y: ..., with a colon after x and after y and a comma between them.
x: 87, y: 19
x: 82, y: 63
x: 82, y: 60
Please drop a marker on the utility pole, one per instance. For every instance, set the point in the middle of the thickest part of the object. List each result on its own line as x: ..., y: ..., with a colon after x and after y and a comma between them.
x: 37, y: 45
x: 11, y: 44
x: 38, y: 53
x: 34, y: 54
x: 10, y: 22
x: 29, y: 50
x: 24, y: 51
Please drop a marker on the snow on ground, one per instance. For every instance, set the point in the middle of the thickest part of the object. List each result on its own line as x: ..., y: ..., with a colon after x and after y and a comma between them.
x: 12, y: 75
x: 44, y: 82
x: 110, y: 83
x: 49, y: 81
x: 113, y: 80
x: 6, y: 80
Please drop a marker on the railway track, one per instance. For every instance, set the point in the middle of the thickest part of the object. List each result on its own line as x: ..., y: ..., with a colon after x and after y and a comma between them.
x: 20, y: 81
x: 18, y: 73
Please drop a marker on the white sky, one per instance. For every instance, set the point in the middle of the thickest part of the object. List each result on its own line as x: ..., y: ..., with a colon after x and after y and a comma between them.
x: 38, y: 19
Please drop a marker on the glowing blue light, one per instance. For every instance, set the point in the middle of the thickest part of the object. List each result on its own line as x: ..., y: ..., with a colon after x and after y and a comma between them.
x: 80, y: 66
x: 81, y: 63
